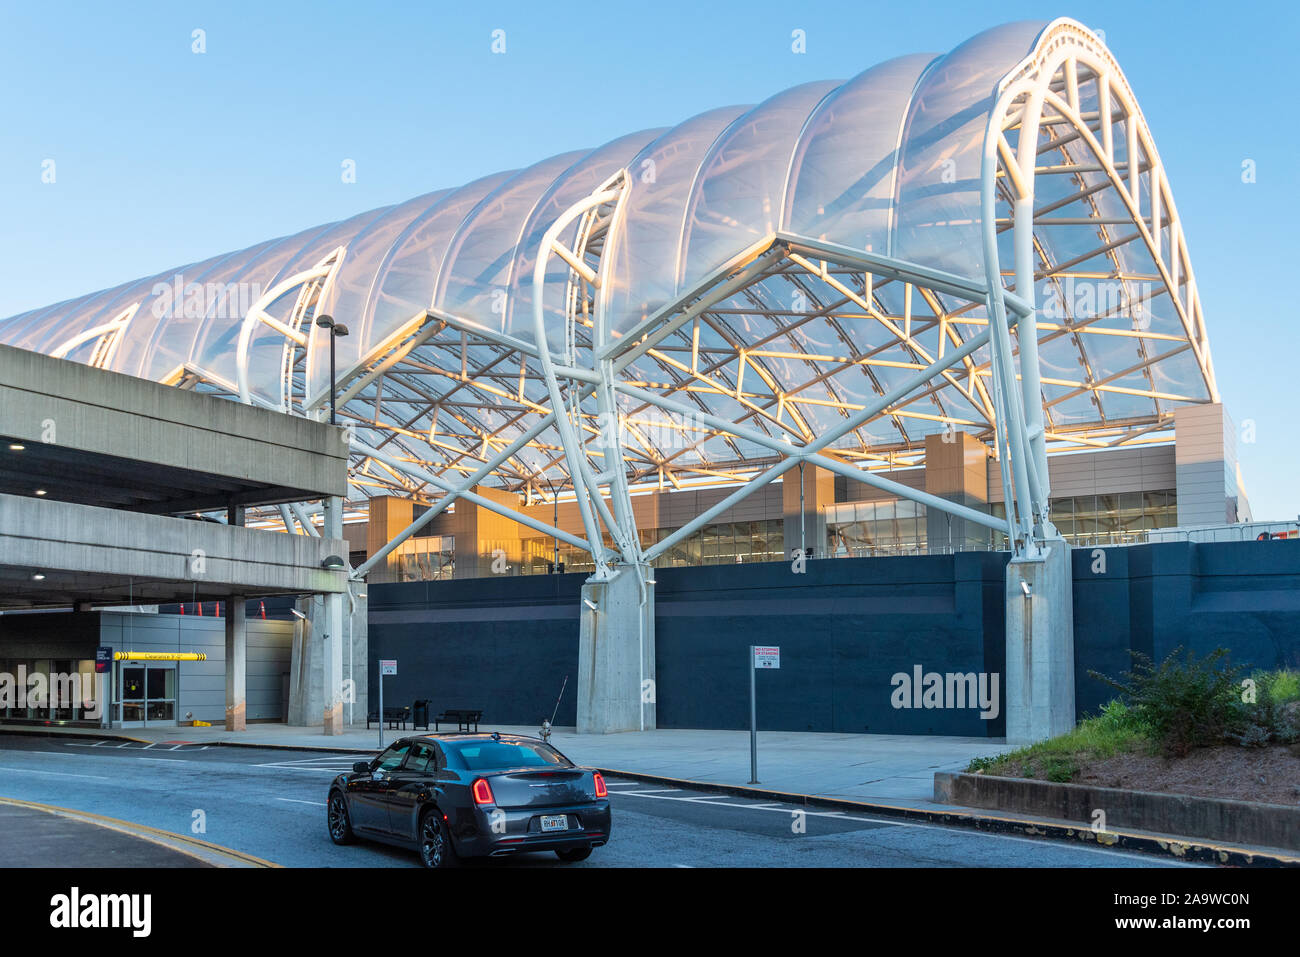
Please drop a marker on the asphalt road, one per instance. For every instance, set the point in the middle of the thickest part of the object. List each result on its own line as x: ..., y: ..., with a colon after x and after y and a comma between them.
x: 271, y: 803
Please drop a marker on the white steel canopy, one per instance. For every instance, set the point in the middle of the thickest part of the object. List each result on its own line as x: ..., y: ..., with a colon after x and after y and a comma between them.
x: 825, y: 277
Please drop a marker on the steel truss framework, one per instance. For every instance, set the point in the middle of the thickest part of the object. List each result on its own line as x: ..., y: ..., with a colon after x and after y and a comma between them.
x: 791, y: 349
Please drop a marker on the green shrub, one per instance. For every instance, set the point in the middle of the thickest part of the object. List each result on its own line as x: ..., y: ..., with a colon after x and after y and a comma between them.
x: 1118, y: 717
x: 1273, y: 716
x: 1185, y: 702
x: 1283, y: 685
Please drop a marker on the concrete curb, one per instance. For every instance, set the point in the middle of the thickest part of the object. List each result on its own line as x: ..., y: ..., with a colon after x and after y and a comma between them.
x: 201, y: 850
x: 1215, y: 819
x: 1183, y: 848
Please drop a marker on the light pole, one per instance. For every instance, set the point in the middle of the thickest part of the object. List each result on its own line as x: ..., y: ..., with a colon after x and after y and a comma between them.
x: 555, y: 542
x: 336, y: 329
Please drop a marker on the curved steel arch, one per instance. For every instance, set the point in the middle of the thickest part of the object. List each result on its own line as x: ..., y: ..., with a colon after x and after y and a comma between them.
x: 783, y: 345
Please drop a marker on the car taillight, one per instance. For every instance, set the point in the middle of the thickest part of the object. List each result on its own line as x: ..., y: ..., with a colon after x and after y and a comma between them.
x: 482, y: 791
x: 601, y: 790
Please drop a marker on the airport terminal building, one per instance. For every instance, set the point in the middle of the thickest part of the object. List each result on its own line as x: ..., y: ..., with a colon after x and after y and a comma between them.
x: 602, y: 411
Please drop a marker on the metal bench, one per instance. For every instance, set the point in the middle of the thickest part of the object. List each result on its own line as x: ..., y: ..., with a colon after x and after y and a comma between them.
x: 395, y: 718
x: 463, y: 717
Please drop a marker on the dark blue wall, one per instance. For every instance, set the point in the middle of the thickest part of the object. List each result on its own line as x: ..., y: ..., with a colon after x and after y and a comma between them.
x: 504, y: 645
x: 845, y: 627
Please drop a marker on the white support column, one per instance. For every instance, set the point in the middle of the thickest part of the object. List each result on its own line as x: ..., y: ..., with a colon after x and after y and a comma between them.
x: 1040, y: 699
x: 332, y: 648
x: 1031, y: 385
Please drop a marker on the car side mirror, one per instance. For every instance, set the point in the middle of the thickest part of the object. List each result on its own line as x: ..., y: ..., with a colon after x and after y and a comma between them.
x: 360, y: 767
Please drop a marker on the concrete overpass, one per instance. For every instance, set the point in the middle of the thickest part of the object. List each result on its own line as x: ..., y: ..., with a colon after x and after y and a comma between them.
x: 108, y: 485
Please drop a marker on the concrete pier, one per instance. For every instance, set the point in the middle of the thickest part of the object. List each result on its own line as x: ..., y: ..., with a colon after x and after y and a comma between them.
x: 616, y: 653
x: 1040, y: 645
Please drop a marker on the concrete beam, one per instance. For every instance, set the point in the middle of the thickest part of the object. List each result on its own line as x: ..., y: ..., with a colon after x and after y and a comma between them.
x: 51, y: 401
x: 104, y: 551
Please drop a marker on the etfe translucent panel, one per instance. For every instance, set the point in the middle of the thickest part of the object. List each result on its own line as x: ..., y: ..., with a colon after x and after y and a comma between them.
x: 475, y: 277
x: 740, y: 192
x: 842, y: 177
x: 575, y: 184
x: 406, y: 277
x: 195, y: 297
x: 938, y: 219
x: 645, y: 246
x: 349, y: 295
x: 44, y: 330
x: 266, y: 346
x: 244, y: 280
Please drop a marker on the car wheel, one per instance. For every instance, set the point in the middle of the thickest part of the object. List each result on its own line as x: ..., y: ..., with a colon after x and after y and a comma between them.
x: 574, y: 854
x: 435, y: 841
x: 340, y: 825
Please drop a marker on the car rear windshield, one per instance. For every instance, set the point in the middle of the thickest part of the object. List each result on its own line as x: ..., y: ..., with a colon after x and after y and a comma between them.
x: 484, y: 755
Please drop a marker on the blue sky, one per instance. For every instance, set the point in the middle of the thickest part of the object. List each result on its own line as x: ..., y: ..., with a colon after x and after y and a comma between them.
x: 164, y: 156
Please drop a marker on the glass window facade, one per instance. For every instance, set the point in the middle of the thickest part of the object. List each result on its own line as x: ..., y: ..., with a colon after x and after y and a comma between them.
x: 864, y: 529
x: 420, y: 559
x: 49, y: 689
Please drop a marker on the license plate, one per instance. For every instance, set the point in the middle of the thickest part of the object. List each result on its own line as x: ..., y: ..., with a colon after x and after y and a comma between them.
x: 555, y: 822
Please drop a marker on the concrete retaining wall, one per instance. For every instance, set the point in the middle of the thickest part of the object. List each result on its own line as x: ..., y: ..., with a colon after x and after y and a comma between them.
x: 1237, y: 822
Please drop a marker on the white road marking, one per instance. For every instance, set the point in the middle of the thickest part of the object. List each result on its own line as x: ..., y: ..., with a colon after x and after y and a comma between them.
x: 296, y: 801
x: 61, y: 774
x: 891, y: 823
x: 55, y: 754
x: 336, y: 766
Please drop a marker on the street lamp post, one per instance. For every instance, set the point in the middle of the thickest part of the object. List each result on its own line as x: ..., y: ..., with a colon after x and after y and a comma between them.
x: 336, y: 329
x: 555, y: 542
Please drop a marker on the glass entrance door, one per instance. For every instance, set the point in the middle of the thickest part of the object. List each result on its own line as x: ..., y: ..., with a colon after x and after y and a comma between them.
x: 147, y: 694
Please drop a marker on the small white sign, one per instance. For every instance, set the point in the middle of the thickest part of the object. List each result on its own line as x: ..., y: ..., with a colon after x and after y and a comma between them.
x: 388, y: 666
x: 767, y: 657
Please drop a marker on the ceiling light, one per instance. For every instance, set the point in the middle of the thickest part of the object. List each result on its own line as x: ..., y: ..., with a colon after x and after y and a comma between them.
x: 38, y: 577
x: 16, y: 446
x: 333, y: 562
x: 40, y: 491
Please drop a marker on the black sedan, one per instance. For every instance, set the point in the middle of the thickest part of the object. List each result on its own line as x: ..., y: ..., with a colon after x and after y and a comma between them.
x: 451, y: 796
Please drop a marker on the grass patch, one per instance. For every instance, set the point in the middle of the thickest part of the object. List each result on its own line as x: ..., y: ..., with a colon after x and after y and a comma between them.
x: 1118, y: 729
x: 1180, y: 705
